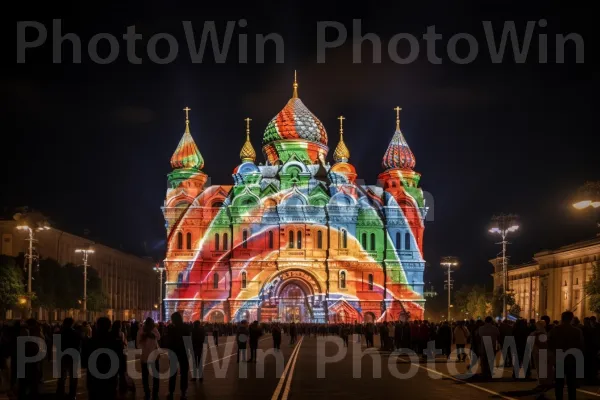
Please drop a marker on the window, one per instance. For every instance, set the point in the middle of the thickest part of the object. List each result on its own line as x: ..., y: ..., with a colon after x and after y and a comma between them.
x: 179, y: 241
x: 244, y: 280
x: 372, y: 241
x: 565, y: 283
x: 299, y: 239
x: 216, y: 241
x: 344, y: 239
x: 576, y: 294
x: 343, y: 280
x: 217, y: 204
x: 188, y: 241
x: 398, y: 241
x: 225, y: 241
x: 320, y: 239
x: 215, y: 281
x: 179, y: 279
x: 271, y: 244
x: 577, y: 281
x: 370, y: 281
x: 291, y: 238
x: 407, y: 241
x: 363, y: 241
x: 245, y: 239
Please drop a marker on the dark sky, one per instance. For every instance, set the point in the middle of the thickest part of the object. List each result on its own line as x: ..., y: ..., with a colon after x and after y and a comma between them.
x: 91, y: 144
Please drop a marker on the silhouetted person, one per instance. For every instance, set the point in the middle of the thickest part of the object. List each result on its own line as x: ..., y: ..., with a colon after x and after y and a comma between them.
x: 255, y: 333
x: 565, y: 337
x: 175, y: 334
x: 276, y: 333
x: 147, y: 340
x: 103, y: 340
x: 69, y: 339
x: 198, y: 337
x: 241, y: 338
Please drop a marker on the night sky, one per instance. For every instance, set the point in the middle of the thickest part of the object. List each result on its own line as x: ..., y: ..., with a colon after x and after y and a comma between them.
x: 91, y: 144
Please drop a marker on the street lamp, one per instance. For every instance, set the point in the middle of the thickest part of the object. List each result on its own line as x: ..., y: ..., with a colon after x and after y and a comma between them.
x: 160, y: 270
x: 85, y: 251
x: 24, y: 227
x: 589, y: 197
x: 448, y: 263
x: 503, y: 225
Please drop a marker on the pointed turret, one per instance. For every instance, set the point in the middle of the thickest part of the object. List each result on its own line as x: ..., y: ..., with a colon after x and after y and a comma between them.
x: 341, y: 153
x: 247, y: 154
x: 398, y: 154
x: 187, y: 155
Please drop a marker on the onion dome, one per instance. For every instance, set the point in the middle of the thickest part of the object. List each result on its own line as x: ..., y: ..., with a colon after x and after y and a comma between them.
x: 295, y: 121
x: 398, y: 154
x: 186, y: 154
x: 341, y: 153
x: 247, y: 154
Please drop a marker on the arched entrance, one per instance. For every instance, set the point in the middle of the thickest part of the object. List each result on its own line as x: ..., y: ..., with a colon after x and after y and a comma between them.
x: 216, y: 317
x: 293, y: 295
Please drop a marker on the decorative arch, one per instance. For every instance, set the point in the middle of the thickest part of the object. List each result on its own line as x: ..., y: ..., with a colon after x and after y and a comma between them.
x: 293, y: 164
x: 342, y: 199
x: 278, y: 280
x: 246, y: 198
x: 295, y: 198
x: 342, y: 278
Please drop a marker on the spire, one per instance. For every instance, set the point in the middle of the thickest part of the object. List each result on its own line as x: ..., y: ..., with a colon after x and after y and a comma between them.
x: 186, y: 154
x: 247, y: 154
x: 341, y: 153
x: 398, y: 154
x: 295, y: 94
x: 397, y: 109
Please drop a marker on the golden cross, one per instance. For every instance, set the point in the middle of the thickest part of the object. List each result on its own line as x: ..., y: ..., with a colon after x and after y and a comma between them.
x: 397, y: 109
x: 247, y: 125
x: 295, y: 94
x: 341, y: 118
x: 187, y: 109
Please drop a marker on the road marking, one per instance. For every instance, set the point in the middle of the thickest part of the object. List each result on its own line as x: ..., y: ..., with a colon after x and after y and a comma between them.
x: 231, y: 355
x: 587, y: 392
x: 285, y: 371
x: 461, y: 381
x: 286, y: 391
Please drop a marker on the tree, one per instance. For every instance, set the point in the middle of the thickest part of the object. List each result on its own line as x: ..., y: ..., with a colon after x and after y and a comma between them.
x: 11, y: 284
x: 474, y: 300
x: 592, y: 289
x: 498, y: 303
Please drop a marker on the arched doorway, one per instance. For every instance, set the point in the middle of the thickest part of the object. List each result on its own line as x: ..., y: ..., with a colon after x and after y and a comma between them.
x: 216, y: 317
x: 292, y: 305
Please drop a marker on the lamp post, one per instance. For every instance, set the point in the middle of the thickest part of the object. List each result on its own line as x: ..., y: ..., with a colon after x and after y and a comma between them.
x: 29, y: 256
x: 160, y: 270
x: 448, y: 263
x: 589, y: 197
x: 86, y: 252
x: 503, y: 225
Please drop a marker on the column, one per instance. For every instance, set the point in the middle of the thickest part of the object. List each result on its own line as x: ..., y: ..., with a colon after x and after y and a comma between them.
x: 570, y: 288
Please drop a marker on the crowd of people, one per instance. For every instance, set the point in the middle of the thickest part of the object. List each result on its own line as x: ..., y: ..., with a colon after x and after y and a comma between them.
x: 466, y: 336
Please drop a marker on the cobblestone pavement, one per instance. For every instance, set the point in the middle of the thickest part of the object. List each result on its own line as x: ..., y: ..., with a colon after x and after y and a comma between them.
x: 321, y: 368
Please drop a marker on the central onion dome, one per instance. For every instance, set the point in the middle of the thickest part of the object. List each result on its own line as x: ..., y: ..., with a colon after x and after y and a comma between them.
x: 398, y: 155
x: 295, y: 130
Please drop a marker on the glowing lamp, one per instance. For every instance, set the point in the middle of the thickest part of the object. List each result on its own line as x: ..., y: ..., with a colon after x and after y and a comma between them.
x: 495, y: 230
x: 583, y: 204
x: 595, y: 204
x: 513, y: 228
x: 22, y: 300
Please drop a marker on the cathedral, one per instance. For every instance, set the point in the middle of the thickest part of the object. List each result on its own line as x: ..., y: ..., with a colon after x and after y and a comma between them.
x: 295, y: 238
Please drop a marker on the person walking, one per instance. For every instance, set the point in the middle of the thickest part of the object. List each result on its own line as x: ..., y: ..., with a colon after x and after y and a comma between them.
x: 255, y: 334
x: 491, y: 332
x: 565, y: 337
x: 198, y: 338
x: 241, y: 338
x: 69, y: 339
x: 101, y: 387
x: 276, y: 333
x: 147, y: 340
x: 461, y: 336
x: 176, y: 331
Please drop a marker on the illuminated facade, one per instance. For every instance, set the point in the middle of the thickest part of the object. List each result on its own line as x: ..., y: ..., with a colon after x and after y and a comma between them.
x: 295, y: 239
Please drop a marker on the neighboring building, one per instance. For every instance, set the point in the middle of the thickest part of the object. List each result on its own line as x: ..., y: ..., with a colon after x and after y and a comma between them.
x: 295, y: 239
x: 128, y: 281
x: 554, y: 281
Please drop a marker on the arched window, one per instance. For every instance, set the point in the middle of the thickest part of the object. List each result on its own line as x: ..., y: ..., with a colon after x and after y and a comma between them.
x: 271, y: 240
x: 215, y: 281
x: 372, y: 241
x: 179, y: 241
x: 216, y: 241
x: 370, y: 281
x: 179, y: 279
x: 217, y: 204
x: 188, y: 241
x: 319, y: 239
x: 245, y: 239
x: 343, y: 280
x: 225, y: 241
x: 344, y: 239
x: 244, y: 280
x: 577, y: 281
x: 363, y: 240
x: 291, y: 239
x: 299, y: 239
x: 398, y: 241
x: 407, y: 241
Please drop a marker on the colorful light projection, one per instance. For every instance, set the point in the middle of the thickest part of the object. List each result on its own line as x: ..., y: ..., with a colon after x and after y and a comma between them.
x: 295, y: 239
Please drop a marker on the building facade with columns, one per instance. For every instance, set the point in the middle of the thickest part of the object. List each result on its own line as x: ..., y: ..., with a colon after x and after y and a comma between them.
x: 554, y: 281
x: 295, y: 238
x: 129, y: 282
